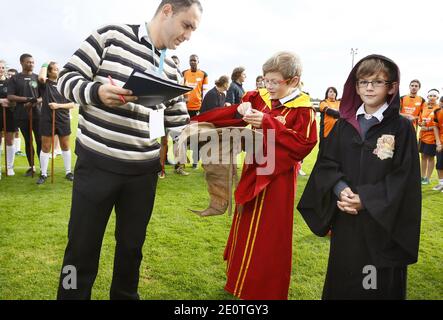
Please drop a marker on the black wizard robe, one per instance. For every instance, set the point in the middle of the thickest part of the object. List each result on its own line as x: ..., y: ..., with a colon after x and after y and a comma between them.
x: 383, y: 169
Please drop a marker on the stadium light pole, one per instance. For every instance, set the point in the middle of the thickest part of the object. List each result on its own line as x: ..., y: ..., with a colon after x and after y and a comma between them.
x: 354, y: 52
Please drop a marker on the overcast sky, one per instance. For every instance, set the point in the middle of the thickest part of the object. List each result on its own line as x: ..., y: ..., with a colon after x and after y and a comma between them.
x: 234, y: 33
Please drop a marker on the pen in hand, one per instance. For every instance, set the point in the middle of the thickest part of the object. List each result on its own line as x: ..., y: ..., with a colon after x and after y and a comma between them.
x: 122, y: 99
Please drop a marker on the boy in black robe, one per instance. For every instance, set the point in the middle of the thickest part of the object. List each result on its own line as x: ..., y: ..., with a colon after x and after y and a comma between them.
x: 365, y: 188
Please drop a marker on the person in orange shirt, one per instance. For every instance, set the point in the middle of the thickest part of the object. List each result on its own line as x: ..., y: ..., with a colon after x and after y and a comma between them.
x: 329, y: 113
x: 439, y: 138
x: 197, y: 79
x: 427, y: 136
x: 412, y: 104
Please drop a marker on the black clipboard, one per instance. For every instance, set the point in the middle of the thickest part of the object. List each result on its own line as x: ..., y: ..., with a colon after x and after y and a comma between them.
x: 152, y: 89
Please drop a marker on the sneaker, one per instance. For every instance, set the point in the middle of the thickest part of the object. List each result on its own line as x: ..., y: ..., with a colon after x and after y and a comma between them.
x: 425, y: 181
x: 181, y: 171
x: 42, y: 179
x: 161, y: 175
x: 29, y: 172
x: 20, y: 154
x: 11, y: 172
x: 301, y: 173
x: 69, y: 176
x: 438, y: 187
x: 195, y: 166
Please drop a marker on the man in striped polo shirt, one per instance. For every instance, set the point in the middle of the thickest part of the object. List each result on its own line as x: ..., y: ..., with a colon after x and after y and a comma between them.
x: 118, y: 155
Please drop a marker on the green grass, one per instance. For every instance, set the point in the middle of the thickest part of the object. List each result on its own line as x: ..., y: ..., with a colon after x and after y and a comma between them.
x: 182, y: 252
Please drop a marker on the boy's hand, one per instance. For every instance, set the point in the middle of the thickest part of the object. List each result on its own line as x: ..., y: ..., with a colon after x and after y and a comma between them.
x: 439, y: 148
x: 255, y: 118
x: 349, y: 202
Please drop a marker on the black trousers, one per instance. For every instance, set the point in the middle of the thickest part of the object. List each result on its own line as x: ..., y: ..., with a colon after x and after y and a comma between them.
x: 95, y: 193
x: 25, y: 129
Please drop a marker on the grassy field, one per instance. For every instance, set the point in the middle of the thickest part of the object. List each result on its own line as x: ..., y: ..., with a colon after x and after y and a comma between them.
x: 182, y: 253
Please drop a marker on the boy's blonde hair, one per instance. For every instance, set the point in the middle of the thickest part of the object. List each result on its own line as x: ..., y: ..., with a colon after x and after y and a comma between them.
x: 376, y: 66
x: 286, y: 63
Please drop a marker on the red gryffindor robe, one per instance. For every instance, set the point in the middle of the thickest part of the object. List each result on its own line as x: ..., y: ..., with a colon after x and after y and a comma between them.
x: 259, y: 248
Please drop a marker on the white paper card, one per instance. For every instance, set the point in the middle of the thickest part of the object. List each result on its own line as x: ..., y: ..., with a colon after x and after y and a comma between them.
x: 157, y: 124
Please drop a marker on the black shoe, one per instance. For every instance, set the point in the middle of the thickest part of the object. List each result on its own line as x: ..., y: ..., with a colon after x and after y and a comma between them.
x: 29, y: 172
x: 69, y: 176
x: 42, y: 179
x: 195, y: 166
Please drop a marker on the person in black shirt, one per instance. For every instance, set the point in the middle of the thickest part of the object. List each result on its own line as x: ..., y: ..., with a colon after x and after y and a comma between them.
x: 17, y: 141
x: 216, y: 97
x: 10, y: 124
x: 236, y: 91
x: 53, y: 100
x: 23, y: 90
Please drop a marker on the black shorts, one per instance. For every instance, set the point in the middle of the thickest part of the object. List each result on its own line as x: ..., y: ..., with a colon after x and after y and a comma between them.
x: 11, y: 125
x: 428, y: 149
x: 62, y: 128
x: 439, y: 165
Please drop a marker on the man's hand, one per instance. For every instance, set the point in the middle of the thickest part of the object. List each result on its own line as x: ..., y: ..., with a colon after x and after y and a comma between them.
x: 54, y: 106
x: 349, y: 202
x: 255, y: 118
x: 110, y: 95
x: 439, y: 148
x: 244, y: 107
x: 28, y: 106
x: 4, y: 103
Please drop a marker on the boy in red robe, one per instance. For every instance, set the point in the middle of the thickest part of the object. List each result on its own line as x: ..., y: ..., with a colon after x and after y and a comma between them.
x: 259, y: 248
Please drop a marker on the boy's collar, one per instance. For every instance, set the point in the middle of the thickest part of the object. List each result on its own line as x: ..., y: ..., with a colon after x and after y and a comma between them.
x: 378, y: 114
x: 290, y: 97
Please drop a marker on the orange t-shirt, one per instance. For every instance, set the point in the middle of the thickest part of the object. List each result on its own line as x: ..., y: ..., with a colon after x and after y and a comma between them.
x: 412, y: 106
x: 428, y: 116
x: 439, y: 122
x: 199, y: 81
x: 329, y: 122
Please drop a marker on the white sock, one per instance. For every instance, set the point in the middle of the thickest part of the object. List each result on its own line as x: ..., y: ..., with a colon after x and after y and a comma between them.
x: 67, y: 160
x: 11, y: 156
x: 44, y: 162
x: 441, y: 182
x: 17, y: 144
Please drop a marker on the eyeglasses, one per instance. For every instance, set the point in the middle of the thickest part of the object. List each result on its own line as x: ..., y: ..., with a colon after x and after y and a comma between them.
x: 274, y: 83
x: 375, y: 83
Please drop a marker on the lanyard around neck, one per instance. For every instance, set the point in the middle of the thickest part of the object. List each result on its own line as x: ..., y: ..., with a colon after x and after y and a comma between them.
x: 162, y: 55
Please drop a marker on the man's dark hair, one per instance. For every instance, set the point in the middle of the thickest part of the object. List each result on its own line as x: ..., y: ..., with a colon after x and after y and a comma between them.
x: 236, y: 74
x: 416, y: 81
x: 12, y: 70
x: 179, y: 5
x: 24, y: 56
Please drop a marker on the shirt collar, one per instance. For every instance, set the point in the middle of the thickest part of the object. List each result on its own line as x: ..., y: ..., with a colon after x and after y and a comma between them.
x: 143, y: 32
x: 378, y: 114
x: 292, y: 96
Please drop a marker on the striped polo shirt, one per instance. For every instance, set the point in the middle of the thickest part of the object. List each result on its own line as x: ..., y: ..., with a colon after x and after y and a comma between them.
x: 117, y: 139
